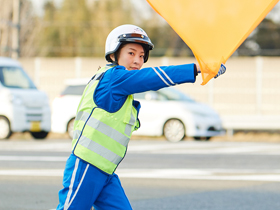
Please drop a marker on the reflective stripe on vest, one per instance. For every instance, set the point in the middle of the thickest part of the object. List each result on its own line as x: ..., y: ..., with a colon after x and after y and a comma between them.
x: 103, y: 128
x: 100, y: 150
x: 100, y: 137
x: 129, y: 125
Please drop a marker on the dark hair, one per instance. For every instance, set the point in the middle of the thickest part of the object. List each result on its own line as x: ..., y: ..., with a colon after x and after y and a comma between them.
x: 117, y: 53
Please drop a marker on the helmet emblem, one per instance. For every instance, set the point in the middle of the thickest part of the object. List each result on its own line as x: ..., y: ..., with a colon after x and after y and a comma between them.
x: 138, y: 30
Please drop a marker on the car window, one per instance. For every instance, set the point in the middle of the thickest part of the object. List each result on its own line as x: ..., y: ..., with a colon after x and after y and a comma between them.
x: 150, y: 95
x: 139, y: 95
x: 174, y: 95
x: 165, y: 94
x: 15, y: 77
x: 74, y: 90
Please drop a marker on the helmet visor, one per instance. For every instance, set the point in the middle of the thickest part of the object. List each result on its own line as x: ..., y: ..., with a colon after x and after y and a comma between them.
x: 137, y: 38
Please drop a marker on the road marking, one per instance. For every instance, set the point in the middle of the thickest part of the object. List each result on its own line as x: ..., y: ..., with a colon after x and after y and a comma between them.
x: 34, y: 158
x: 184, y: 147
x: 190, y: 174
x: 196, y: 174
x: 32, y: 172
x: 36, y: 146
x: 210, y: 148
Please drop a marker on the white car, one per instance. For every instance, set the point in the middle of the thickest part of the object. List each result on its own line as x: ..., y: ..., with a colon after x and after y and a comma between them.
x: 22, y: 106
x: 64, y: 106
x: 175, y: 115
x: 167, y: 112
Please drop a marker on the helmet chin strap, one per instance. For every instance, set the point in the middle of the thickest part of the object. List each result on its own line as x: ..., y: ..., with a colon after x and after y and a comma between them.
x: 115, y: 62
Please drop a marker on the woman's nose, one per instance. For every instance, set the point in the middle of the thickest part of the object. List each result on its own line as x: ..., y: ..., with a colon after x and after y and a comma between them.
x: 137, y: 59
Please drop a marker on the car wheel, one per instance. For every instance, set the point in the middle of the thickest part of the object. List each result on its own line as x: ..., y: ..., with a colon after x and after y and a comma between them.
x: 174, y: 130
x: 39, y: 135
x: 5, y: 128
x: 70, y: 128
x: 202, y: 138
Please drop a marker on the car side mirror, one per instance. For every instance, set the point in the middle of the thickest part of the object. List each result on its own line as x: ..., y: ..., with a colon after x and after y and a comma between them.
x: 151, y: 96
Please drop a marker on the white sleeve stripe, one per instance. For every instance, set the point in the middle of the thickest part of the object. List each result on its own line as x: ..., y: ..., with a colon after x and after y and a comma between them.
x: 161, y: 77
x: 166, y: 76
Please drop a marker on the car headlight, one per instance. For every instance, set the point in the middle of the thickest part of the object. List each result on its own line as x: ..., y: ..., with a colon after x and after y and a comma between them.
x: 16, y: 100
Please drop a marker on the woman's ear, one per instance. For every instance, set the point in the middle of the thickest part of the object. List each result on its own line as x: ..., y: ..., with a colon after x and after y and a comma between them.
x: 112, y: 57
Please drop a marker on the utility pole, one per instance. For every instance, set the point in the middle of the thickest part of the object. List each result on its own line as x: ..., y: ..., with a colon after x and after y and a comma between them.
x: 15, y: 29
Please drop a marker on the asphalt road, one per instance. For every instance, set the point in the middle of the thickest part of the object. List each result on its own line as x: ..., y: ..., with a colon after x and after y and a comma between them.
x: 155, y: 174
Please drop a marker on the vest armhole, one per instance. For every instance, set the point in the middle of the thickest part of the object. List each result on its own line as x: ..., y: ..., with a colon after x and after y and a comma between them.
x: 98, y: 105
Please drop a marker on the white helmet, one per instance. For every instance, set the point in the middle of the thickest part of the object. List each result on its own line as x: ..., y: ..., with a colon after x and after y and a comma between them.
x: 127, y: 34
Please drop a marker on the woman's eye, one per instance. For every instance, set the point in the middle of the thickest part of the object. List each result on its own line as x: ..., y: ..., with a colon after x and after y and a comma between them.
x: 131, y: 53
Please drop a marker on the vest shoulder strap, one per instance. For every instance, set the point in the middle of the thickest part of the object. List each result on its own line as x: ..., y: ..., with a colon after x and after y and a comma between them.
x: 100, y: 73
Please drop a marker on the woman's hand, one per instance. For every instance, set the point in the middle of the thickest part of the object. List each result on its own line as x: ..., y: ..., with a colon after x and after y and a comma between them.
x: 221, y: 71
x: 198, y: 68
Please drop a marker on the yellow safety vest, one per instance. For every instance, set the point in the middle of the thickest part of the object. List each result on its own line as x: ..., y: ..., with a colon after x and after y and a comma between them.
x: 101, y: 137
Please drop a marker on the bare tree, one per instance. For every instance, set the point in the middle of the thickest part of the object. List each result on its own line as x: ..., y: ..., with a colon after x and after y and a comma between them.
x: 29, y: 30
x: 17, y: 28
x: 6, y: 11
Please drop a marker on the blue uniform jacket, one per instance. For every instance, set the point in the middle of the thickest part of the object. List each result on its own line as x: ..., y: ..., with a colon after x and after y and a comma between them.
x: 117, y: 83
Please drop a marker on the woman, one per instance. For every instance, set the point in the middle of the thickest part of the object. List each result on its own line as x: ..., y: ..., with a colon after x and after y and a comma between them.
x: 106, y: 117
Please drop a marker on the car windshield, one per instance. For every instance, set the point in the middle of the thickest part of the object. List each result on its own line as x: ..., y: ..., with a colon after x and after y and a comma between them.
x: 74, y: 90
x: 174, y: 95
x: 15, y: 77
x: 166, y: 94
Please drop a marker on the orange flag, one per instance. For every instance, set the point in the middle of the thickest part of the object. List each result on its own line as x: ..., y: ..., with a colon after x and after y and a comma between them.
x: 213, y: 29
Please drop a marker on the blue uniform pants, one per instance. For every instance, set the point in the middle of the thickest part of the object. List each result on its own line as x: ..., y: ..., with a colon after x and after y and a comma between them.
x: 85, y: 186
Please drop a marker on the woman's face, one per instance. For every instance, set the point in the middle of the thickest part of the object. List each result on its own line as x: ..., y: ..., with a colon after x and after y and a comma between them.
x: 131, y: 56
